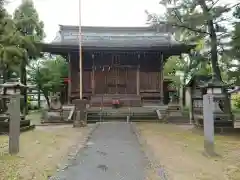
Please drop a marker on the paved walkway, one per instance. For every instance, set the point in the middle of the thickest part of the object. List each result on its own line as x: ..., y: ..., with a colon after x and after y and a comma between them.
x: 113, y: 153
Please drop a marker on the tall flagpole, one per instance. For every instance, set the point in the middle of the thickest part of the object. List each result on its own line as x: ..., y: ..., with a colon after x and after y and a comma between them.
x: 80, y: 54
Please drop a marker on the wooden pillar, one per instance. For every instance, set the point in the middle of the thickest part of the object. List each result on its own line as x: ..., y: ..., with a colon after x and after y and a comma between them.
x: 138, y: 77
x: 80, y: 57
x: 161, y: 79
x: 93, y: 75
x: 138, y: 80
x: 69, y: 78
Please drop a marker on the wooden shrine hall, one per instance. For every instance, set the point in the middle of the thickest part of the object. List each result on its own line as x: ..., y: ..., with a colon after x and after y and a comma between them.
x: 124, y: 63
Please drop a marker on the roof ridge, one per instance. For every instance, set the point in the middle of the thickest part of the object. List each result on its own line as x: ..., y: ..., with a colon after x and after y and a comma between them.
x: 76, y: 26
x: 107, y: 28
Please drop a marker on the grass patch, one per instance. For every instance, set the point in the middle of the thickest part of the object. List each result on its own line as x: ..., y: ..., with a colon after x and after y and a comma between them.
x: 41, y: 152
x: 180, y: 150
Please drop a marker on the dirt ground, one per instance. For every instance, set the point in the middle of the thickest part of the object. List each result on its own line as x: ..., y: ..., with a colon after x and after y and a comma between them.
x: 178, y: 150
x: 42, y: 151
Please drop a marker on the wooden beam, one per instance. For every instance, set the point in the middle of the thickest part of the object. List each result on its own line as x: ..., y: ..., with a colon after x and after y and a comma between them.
x: 69, y: 78
x: 138, y: 80
x: 138, y: 76
x: 93, y: 75
x: 80, y: 54
x: 161, y: 78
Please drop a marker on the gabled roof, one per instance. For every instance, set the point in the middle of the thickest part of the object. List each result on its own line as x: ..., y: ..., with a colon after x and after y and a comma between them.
x: 115, y: 37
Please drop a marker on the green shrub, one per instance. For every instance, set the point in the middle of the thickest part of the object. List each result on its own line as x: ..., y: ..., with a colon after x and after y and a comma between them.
x: 236, y: 100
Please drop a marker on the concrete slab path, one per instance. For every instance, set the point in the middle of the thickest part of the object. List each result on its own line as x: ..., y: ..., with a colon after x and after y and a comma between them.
x: 113, y: 153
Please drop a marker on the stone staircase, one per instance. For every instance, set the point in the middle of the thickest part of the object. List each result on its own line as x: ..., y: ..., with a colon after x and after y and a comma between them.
x: 237, y: 124
x: 136, y: 114
x: 126, y: 100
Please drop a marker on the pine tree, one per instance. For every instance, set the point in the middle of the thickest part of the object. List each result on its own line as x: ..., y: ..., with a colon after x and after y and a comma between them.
x: 200, y: 19
x: 10, y: 52
x: 235, y: 73
x: 31, y: 30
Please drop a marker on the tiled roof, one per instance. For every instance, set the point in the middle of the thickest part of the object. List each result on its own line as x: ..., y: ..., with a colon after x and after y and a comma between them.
x: 115, y: 37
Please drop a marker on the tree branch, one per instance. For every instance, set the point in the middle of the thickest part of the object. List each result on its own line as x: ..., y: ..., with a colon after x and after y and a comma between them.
x: 213, y: 4
x: 189, y: 28
x: 235, y: 37
x: 235, y: 5
x: 186, y: 27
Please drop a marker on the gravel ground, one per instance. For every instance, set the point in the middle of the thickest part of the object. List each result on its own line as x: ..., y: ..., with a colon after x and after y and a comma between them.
x: 112, y: 153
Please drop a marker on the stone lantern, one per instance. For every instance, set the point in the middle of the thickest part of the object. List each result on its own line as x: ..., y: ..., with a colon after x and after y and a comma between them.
x: 222, y: 108
x: 10, y: 90
x: 11, y: 119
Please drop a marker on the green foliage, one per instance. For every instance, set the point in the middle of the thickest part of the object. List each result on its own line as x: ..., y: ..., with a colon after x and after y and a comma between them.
x: 30, y: 27
x: 48, y: 74
x: 202, y: 22
x: 18, y: 36
x: 236, y: 13
x: 236, y: 34
x: 236, y: 100
x: 234, y: 70
x: 31, y: 30
x: 10, y: 38
x: 172, y: 66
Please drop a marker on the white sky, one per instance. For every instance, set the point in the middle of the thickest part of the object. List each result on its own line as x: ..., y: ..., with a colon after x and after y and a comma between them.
x: 94, y: 12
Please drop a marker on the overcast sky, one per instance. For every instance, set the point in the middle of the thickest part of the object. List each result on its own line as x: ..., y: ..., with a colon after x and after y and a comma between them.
x: 94, y: 12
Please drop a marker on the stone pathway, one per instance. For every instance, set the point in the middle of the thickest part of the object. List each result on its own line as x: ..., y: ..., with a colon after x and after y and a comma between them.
x: 113, y: 153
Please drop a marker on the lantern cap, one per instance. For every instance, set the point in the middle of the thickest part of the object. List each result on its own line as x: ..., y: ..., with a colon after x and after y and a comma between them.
x: 214, y: 83
x: 13, y: 85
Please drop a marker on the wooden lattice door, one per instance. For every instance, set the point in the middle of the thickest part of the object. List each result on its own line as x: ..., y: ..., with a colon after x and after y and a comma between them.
x: 112, y: 81
x: 116, y: 78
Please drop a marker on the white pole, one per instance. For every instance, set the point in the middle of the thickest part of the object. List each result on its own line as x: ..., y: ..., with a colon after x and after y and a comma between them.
x: 80, y: 53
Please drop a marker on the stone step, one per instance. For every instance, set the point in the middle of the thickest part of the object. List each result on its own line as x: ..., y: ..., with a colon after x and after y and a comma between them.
x: 116, y: 115
x: 236, y: 124
x: 122, y: 115
x: 135, y: 113
x: 132, y: 119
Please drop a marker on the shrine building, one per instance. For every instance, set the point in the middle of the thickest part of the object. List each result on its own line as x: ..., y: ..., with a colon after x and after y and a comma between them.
x: 117, y: 62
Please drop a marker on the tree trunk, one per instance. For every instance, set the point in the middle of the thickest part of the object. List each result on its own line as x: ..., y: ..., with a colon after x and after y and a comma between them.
x: 213, y: 40
x: 39, y: 98
x: 47, y: 98
x: 214, y: 52
x: 5, y: 78
x: 23, y: 79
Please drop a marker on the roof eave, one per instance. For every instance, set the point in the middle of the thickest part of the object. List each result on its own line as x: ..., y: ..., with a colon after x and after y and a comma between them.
x: 46, y: 46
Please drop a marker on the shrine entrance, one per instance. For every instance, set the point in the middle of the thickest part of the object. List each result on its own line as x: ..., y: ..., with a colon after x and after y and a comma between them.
x: 116, y: 81
x: 116, y: 77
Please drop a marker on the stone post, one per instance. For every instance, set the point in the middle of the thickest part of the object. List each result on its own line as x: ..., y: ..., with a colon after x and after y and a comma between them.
x: 208, y: 109
x: 14, y: 124
x: 191, y: 118
x: 80, y: 119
